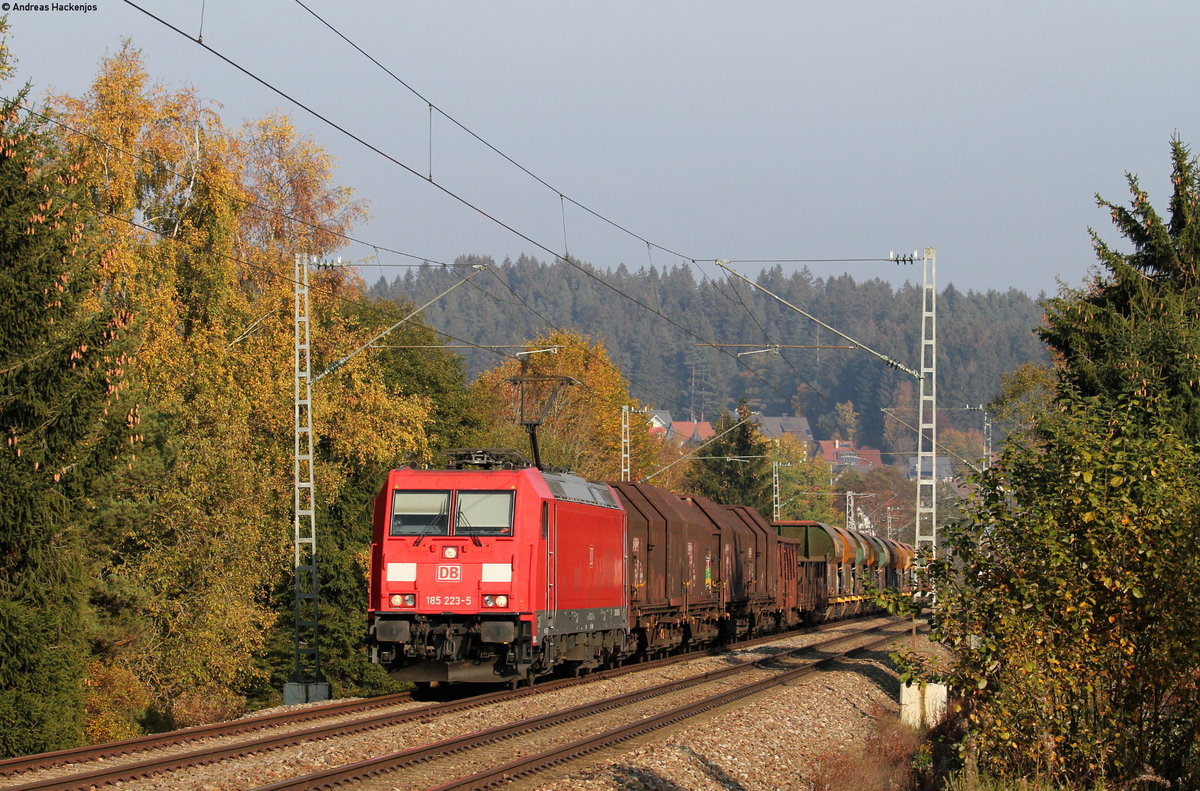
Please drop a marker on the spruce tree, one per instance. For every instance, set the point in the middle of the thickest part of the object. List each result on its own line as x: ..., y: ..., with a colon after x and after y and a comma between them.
x: 59, y: 387
x: 733, y: 469
x: 1067, y: 594
x: 1136, y: 329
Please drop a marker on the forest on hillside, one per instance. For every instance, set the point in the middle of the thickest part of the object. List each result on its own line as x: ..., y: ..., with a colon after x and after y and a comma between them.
x: 652, y: 321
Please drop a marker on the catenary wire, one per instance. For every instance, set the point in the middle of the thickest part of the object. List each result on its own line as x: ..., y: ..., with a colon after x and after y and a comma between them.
x: 763, y: 330
x: 358, y: 139
x: 562, y: 196
x: 424, y: 261
x: 445, y: 190
x: 450, y: 193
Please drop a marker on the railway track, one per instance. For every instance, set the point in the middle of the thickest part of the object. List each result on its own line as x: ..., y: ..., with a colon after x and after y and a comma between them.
x: 599, y: 725
x: 195, y: 747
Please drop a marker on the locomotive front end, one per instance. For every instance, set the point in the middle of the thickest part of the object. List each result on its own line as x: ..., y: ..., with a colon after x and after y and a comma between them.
x: 448, y: 598
x: 496, y: 575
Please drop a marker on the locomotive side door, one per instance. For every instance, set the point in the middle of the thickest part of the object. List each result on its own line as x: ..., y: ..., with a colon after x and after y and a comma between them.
x: 550, y: 534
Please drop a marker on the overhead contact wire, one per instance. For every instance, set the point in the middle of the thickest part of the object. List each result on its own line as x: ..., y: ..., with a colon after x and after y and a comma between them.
x: 445, y: 190
x: 481, y: 140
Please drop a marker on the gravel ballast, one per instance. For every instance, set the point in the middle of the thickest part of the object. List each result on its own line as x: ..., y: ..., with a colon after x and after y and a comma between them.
x: 781, y: 739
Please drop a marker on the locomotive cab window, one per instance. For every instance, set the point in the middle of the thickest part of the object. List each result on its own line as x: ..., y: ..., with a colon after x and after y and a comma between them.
x: 484, y: 514
x: 420, y: 513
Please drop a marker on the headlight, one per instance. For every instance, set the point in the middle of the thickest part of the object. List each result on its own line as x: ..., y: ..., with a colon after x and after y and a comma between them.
x: 450, y: 552
x: 403, y: 600
x: 489, y: 601
x: 502, y: 601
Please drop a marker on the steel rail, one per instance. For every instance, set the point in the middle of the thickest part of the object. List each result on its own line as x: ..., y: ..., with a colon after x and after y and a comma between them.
x: 536, y: 763
x: 398, y: 760
x: 203, y: 756
x: 155, y: 741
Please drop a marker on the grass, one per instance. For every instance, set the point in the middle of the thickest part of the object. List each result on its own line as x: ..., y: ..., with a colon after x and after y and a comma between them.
x: 884, y: 763
x: 896, y: 757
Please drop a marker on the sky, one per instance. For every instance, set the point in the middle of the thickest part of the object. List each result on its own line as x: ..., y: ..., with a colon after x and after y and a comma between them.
x: 714, y: 130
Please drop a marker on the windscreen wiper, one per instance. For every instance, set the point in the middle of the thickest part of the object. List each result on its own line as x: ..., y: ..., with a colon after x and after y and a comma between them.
x: 427, y: 530
x: 463, y: 521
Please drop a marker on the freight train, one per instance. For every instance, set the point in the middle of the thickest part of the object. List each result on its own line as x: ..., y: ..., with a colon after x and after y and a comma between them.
x: 501, y: 573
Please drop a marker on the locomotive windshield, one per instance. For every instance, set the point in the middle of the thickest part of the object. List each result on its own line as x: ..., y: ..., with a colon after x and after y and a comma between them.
x: 420, y: 513
x: 484, y: 514
x: 427, y: 513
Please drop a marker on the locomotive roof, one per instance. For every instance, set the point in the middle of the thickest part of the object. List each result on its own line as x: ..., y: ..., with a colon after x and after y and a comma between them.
x: 562, y: 485
x: 571, y: 487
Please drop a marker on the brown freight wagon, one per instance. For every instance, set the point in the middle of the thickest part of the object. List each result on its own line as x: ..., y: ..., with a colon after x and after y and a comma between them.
x: 801, y: 588
x: 702, y: 572
x: 676, y: 592
x: 747, y: 568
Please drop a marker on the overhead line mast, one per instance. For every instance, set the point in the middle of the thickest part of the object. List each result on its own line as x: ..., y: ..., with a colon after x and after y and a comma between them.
x: 926, y: 534
x: 308, y: 684
x: 926, y: 528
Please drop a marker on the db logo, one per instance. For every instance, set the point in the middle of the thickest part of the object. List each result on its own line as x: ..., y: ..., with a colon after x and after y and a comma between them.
x: 449, y: 573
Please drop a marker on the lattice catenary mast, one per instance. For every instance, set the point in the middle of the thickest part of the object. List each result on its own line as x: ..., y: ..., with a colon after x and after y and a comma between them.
x: 926, y: 528
x: 307, y: 683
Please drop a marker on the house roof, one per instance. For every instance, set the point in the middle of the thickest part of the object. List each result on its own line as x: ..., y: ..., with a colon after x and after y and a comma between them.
x: 686, y: 431
x: 943, y: 465
x: 775, y: 427
x: 845, y: 453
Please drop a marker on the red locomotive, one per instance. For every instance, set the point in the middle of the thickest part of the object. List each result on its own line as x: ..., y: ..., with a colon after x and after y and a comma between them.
x: 503, y: 574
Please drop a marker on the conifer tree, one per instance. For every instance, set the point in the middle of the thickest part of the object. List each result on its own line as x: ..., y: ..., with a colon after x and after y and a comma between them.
x: 60, y: 367
x: 1068, y: 595
x: 1136, y: 329
x: 733, y: 469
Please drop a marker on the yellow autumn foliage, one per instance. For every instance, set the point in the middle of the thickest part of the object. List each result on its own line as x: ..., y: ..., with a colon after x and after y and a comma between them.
x: 204, y: 528
x: 582, y: 427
